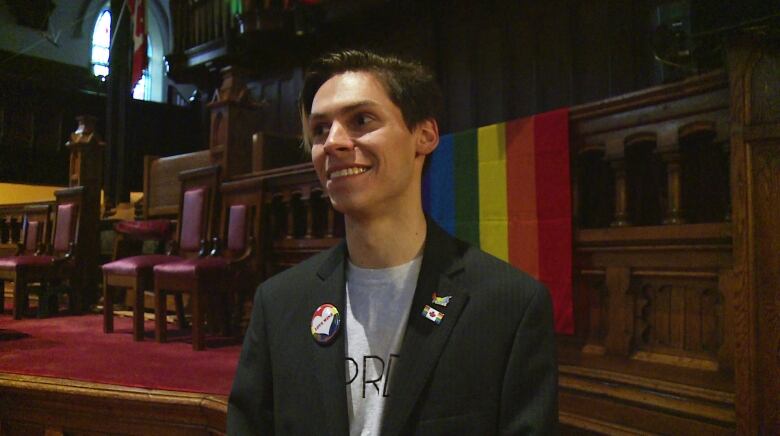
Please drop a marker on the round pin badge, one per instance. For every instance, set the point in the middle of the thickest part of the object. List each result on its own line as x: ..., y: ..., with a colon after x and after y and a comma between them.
x: 325, y: 324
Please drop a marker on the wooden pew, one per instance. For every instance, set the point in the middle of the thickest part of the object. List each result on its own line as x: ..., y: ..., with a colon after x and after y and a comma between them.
x: 161, y: 181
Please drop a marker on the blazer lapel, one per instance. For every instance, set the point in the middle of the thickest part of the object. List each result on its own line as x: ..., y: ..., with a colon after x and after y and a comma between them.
x: 328, y: 359
x: 424, y: 340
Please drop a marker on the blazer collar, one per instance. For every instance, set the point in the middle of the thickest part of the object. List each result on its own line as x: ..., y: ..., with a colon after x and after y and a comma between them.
x: 328, y: 359
x: 423, y: 342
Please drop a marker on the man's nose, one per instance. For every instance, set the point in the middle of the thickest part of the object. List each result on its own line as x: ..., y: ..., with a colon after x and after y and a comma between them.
x: 338, y: 138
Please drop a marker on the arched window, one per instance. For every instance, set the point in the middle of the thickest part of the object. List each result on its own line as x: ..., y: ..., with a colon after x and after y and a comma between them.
x: 101, y: 41
x: 152, y: 83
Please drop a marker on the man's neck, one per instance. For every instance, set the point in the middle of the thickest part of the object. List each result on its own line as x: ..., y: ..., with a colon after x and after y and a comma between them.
x: 386, y: 241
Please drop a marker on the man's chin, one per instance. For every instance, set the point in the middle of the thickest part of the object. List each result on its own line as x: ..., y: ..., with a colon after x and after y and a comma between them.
x: 343, y: 206
x: 352, y: 207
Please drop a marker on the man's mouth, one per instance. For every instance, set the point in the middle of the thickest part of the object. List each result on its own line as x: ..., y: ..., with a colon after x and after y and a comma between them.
x: 347, y: 172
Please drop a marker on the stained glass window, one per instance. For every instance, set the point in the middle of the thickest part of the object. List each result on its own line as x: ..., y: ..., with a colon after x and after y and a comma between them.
x: 101, y: 41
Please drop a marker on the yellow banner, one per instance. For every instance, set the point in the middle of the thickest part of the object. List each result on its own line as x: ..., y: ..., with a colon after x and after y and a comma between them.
x: 493, y: 224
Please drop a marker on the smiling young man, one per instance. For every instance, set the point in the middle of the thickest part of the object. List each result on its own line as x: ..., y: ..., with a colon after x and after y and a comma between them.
x: 400, y: 329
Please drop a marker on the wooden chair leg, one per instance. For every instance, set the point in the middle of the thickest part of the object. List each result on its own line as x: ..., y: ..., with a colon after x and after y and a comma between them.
x: 108, y: 307
x: 198, y: 336
x: 20, y: 293
x: 180, y: 317
x: 76, y: 300
x: 160, y: 332
x: 231, y: 305
x: 138, y: 310
x: 222, y: 302
x: 211, y: 313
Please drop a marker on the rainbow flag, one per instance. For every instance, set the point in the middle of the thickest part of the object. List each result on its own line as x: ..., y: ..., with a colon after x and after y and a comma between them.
x: 506, y: 189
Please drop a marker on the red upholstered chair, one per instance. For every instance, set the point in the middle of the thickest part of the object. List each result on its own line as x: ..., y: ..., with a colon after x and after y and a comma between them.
x: 34, y: 229
x: 30, y: 267
x: 198, y: 195
x: 209, y: 279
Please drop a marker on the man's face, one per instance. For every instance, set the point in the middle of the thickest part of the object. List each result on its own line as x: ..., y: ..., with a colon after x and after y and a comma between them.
x: 364, y: 154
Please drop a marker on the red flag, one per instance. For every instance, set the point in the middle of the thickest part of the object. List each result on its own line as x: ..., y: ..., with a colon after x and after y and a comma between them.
x: 138, y: 23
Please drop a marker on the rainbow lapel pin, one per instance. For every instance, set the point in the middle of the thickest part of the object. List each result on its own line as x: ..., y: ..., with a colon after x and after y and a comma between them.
x: 441, y: 301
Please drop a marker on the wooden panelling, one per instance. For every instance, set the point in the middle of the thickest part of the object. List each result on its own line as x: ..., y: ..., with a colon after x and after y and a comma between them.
x: 653, y: 293
x: 32, y: 405
x: 764, y: 106
x: 161, y: 130
x: 39, y: 102
x: 766, y: 198
x: 33, y: 131
x: 755, y: 164
x: 694, y: 305
x: 678, y: 321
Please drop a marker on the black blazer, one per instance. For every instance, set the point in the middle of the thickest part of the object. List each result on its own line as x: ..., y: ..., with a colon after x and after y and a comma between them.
x: 488, y: 368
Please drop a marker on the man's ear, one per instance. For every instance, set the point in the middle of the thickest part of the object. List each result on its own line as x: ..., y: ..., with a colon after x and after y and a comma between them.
x: 427, y: 136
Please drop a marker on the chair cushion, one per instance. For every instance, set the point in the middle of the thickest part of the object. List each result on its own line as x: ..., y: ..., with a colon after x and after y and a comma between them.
x: 12, y: 262
x: 237, y: 228
x: 31, y: 236
x: 63, y: 233
x: 192, y: 219
x: 202, y: 268
x: 137, y: 264
x: 148, y: 229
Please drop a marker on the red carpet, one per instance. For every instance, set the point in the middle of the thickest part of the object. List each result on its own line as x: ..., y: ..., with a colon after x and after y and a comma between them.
x: 75, y: 347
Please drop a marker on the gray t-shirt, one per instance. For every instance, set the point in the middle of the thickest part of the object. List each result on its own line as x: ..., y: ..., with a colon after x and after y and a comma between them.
x: 378, y: 303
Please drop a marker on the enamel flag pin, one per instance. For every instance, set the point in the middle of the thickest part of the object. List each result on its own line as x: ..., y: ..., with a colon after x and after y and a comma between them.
x: 325, y: 324
x: 441, y: 301
x: 432, y: 314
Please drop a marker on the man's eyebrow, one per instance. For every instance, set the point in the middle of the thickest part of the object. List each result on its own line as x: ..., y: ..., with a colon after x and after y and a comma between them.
x: 345, y: 109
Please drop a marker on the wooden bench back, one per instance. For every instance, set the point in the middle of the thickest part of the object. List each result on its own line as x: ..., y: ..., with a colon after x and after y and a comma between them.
x: 162, y: 187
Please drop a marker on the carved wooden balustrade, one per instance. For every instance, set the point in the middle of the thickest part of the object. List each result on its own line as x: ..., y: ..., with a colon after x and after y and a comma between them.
x: 299, y: 220
x: 204, y: 30
x: 11, y: 222
x: 197, y: 22
x: 653, y: 252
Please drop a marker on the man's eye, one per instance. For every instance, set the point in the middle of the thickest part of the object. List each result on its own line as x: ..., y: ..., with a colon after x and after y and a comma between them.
x: 363, y: 119
x: 320, y: 130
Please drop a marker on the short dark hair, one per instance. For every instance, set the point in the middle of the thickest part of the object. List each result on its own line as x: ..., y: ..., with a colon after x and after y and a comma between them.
x: 410, y: 85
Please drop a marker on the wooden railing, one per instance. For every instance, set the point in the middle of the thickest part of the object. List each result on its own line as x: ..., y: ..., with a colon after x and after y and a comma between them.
x: 199, y: 22
x: 11, y: 222
x: 299, y: 219
x: 652, y: 260
x: 668, y: 171
x: 660, y: 157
